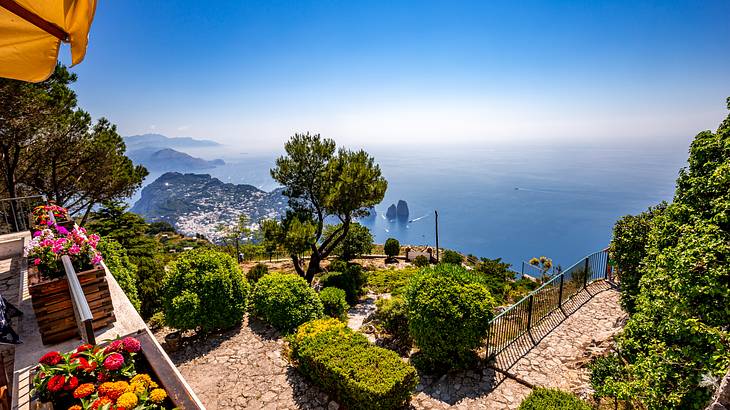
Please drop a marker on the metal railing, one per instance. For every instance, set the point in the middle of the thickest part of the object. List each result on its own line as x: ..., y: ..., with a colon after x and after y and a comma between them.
x: 15, y: 212
x: 519, y: 327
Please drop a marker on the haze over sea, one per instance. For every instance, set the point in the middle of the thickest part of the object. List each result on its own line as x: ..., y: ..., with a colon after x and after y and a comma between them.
x: 513, y: 201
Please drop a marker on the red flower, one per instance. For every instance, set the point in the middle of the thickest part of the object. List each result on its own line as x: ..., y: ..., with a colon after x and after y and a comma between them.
x: 71, y: 383
x: 131, y: 345
x: 114, y: 346
x: 83, y: 348
x: 56, y: 383
x: 100, y: 402
x: 102, y: 377
x: 51, y: 358
x: 114, y: 361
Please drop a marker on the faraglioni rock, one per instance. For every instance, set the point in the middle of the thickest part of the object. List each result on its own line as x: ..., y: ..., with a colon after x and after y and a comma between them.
x: 402, y: 209
x: 391, y: 213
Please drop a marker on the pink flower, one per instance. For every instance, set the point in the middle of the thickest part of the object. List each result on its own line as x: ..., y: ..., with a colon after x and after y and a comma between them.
x: 37, y: 261
x: 49, y: 223
x: 131, y: 345
x: 36, y: 234
x: 74, y: 250
x: 96, y: 259
x: 114, y: 346
x: 61, y: 230
x: 114, y: 361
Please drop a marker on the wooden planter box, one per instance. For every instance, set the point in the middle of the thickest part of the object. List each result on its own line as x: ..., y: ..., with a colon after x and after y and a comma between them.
x: 53, y: 307
x: 153, y: 361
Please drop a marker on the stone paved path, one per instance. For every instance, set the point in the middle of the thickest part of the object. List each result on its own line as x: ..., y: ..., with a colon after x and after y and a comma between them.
x: 246, y: 368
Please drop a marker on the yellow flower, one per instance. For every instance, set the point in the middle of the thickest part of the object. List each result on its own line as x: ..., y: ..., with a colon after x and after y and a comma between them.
x: 127, y: 400
x: 157, y: 395
x: 136, y: 388
x: 153, y: 385
x: 142, y: 378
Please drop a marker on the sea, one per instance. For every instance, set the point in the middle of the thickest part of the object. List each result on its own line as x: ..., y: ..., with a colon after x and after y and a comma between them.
x: 509, y: 201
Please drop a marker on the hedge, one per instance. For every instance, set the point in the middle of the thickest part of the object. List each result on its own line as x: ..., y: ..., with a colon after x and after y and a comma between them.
x: 552, y: 399
x: 334, y: 301
x: 350, y: 279
x: 345, y: 364
x: 285, y: 301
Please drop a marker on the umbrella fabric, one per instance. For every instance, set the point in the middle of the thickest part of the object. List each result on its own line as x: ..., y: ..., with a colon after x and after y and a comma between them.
x: 30, y: 37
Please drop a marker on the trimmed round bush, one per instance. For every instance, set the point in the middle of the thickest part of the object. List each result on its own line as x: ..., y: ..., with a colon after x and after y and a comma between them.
x: 257, y: 272
x: 421, y: 261
x: 391, y: 247
x: 334, y: 301
x: 552, y: 399
x: 354, y: 371
x: 204, y: 289
x: 285, y: 301
x: 351, y: 280
x: 449, y: 309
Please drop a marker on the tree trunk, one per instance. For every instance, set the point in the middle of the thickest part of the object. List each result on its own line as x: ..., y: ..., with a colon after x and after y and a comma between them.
x: 313, y: 267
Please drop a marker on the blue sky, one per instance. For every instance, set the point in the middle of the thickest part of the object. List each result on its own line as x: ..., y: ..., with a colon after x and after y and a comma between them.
x: 379, y: 73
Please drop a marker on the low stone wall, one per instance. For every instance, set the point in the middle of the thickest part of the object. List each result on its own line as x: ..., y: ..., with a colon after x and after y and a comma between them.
x: 721, y: 399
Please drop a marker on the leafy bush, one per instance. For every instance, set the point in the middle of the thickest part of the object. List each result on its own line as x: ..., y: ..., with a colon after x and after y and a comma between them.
x: 348, y: 366
x: 449, y: 309
x: 123, y: 270
x: 677, y: 336
x: 628, y: 249
x: 257, y: 272
x: 357, y: 242
x: 285, y: 301
x: 421, y: 261
x: 334, y: 302
x: 604, y: 370
x: 351, y: 280
x: 452, y: 257
x: 393, y: 316
x: 157, y: 321
x: 552, y: 399
x: 391, y: 248
x: 393, y: 281
x: 204, y: 289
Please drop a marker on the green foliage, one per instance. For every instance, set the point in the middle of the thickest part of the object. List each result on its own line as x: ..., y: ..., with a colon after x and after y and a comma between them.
x: 204, y: 289
x: 123, y: 270
x: 449, y: 309
x: 393, y: 281
x: 628, y: 249
x: 393, y: 316
x: 391, y: 247
x: 345, y: 364
x: 677, y: 335
x: 357, y: 242
x: 452, y: 257
x: 285, y: 301
x: 351, y: 280
x: 552, y: 399
x: 320, y: 182
x: 159, y: 227
x: 257, y: 272
x: 421, y: 261
x: 334, y: 302
x: 604, y: 371
x: 498, y: 278
x: 157, y: 321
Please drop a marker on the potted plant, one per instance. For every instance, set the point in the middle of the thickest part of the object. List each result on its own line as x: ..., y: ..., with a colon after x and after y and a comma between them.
x: 114, y: 376
x: 48, y: 285
x: 41, y: 219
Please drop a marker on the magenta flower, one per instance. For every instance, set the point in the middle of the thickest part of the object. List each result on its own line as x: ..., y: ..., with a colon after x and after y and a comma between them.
x: 61, y: 230
x: 36, y: 234
x: 96, y: 259
x: 114, y: 361
x: 131, y: 345
x: 74, y: 250
x: 37, y: 261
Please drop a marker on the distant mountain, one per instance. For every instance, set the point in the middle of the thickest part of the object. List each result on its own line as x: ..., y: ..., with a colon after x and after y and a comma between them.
x: 168, y: 159
x: 135, y: 142
x: 198, y: 203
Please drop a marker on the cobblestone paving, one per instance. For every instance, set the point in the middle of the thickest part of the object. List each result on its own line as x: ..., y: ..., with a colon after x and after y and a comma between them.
x: 246, y: 368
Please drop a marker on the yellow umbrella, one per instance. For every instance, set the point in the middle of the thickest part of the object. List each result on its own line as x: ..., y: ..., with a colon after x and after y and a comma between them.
x: 31, y: 32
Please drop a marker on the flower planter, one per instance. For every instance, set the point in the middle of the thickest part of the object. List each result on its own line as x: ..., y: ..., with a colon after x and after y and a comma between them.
x: 53, y: 307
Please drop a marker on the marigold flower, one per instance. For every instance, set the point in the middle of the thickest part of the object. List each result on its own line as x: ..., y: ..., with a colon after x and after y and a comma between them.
x: 131, y: 344
x: 71, y: 383
x: 100, y: 402
x: 114, y: 361
x: 117, y: 389
x: 83, y: 390
x: 157, y: 396
x: 75, y: 407
x: 127, y: 400
x: 142, y: 378
x: 51, y: 358
x: 56, y: 383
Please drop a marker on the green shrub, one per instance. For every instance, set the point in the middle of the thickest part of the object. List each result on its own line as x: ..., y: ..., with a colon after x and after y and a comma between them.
x: 357, y: 242
x: 393, y: 316
x: 391, y: 281
x: 421, y: 261
x: 391, y: 247
x: 123, y: 270
x: 204, y: 289
x: 605, y: 369
x: 157, y: 321
x: 449, y: 309
x: 452, y: 257
x: 552, y: 399
x: 356, y: 372
x: 257, y: 272
x: 351, y: 280
x: 285, y: 301
x: 334, y: 301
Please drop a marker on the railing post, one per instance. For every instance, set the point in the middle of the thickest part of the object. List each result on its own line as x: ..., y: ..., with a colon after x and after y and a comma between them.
x: 585, y: 274
x: 560, y: 291
x: 529, y: 312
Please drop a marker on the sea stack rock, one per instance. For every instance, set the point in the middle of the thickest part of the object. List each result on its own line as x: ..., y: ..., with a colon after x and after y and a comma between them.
x: 391, y: 213
x: 402, y: 209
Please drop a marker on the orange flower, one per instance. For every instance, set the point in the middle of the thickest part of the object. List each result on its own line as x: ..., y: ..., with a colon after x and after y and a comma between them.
x: 157, y: 395
x: 75, y: 407
x: 83, y: 390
